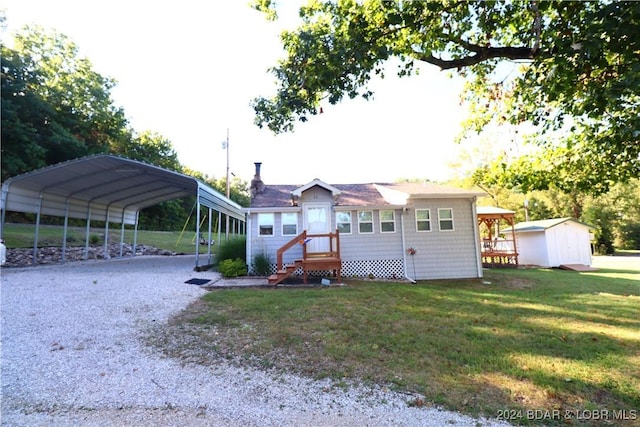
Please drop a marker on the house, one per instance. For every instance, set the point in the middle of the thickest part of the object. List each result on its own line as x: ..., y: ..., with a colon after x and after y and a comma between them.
x: 399, y: 231
x: 553, y: 242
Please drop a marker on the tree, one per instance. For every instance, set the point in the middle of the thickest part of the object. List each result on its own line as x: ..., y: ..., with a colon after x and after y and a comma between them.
x: 577, y: 79
x: 23, y: 118
x: 149, y: 147
x: 57, y: 107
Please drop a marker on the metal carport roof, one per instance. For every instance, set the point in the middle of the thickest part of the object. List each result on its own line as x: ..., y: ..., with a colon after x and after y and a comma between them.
x: 106, y: 188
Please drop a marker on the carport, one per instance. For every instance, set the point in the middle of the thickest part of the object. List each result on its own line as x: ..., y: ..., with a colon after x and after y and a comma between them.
x: 111, y: 189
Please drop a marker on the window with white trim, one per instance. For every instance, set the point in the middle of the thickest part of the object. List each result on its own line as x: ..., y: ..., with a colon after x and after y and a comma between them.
x: 423, y: 220
x: 343, y: 221
x: 387, y: 221
x: 265, y: 224
x: 445, y: 219
x: 365, y: 222
x: 289, y: 223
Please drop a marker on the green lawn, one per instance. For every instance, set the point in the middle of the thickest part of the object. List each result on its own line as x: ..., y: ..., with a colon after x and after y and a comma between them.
x: 517, y: 339
x: 22, y: 235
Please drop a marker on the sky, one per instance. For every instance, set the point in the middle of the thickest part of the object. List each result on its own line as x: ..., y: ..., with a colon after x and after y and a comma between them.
x: 188, y: 71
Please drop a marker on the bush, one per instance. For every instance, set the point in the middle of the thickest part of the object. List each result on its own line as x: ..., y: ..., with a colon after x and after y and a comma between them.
x: 232, y: 268
x: 234, y: 248
x: 262, y: 264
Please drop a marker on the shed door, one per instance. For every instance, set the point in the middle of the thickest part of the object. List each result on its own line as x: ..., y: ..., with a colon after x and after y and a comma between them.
x: 317, y: 220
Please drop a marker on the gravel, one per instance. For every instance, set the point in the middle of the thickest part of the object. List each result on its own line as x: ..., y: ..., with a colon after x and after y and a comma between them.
x: 73, y: 354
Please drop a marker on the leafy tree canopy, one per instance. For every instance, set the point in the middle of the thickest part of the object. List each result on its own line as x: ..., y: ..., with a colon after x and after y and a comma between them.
x: 55, y: 107
x: 576, y: 81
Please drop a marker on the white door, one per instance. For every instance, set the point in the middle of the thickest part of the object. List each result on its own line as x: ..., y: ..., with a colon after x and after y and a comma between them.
x: 317, y: 220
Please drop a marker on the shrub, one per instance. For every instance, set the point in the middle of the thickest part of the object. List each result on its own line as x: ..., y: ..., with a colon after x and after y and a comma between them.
x: 232, y: 268
x: 262, y: 264
x: 94, y: 239
x: 234, y: 248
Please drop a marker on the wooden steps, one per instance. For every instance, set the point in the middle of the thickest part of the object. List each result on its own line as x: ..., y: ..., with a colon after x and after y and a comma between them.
x: 287, y: 271
x: 311, y: 261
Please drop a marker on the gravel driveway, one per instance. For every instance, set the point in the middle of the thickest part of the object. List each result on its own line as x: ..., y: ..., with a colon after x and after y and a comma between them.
x: 72, y: 355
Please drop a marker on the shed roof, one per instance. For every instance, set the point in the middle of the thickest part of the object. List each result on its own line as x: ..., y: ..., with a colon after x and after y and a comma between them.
x: 105, y: 187
x: 544, y: 224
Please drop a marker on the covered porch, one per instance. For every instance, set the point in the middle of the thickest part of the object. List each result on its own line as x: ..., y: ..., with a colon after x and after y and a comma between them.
x: 496, y: 248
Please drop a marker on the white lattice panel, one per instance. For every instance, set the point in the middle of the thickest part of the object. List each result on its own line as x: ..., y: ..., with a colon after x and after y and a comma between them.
x: 381, y: 268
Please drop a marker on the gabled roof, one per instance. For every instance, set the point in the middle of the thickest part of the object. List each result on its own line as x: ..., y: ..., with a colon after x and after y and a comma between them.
x: 298, y: 191
x: 493, y: 210
x: 106, y: 186
x: 360, y: 195
x: 544, y: 224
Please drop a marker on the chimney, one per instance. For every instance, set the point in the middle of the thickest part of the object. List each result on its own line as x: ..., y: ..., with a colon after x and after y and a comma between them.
x: 257, y: 186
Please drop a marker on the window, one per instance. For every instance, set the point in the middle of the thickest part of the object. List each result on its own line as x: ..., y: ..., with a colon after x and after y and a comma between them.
x: 289, y: 224
x: 445, y: 217
x: 387, y: 221
x: 365, y: 222
x: 423, y: 220
x: 265, y: 224
x: 343, y: 220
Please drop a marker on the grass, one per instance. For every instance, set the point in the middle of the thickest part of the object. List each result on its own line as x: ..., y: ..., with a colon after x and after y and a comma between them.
x: 517, y: 339
x: 22, y: 236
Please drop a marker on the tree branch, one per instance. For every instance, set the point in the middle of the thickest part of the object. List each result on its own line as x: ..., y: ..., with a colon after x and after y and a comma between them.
x: 482, y: 54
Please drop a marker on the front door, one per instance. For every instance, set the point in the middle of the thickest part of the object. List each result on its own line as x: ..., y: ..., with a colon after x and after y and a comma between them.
x: 317, y: 220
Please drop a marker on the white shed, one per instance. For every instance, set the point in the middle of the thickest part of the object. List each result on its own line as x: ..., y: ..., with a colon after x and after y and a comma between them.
x: 553, y: 242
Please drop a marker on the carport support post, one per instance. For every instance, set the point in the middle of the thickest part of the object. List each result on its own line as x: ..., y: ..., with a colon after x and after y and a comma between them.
x: 122, y: 234
x: 198, y: 231
x: 219, y: 228
x: 37, y: 235
x: 209, y: 239
x: 64, y: 232
x: 135, y: 233
x: 106, y: 235
x: 88, y: 230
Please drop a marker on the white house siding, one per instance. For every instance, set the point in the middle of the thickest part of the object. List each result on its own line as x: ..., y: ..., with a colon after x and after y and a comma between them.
x: 372, y: 254
x: 270, y: 244
x: 442, y: 254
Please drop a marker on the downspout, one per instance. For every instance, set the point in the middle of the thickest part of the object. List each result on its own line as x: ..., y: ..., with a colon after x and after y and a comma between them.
x: 476, y: 236
x: 248, y: 240
x: 404, y: 249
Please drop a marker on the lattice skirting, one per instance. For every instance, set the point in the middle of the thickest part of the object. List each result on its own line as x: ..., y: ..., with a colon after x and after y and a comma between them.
x: 378, y: 268
x: 499, y: 261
